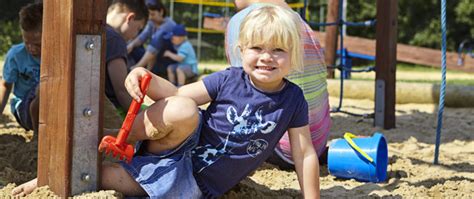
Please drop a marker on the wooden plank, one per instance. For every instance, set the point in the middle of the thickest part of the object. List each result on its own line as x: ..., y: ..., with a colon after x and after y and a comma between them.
x: 62, y: 20
x: 55, y: 115
x: 406, y: 53
x: 331, y: 36
x: 386, y: 63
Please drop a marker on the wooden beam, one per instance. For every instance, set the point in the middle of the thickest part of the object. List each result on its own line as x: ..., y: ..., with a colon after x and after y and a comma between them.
x: 406, y: 53
x: 62, y: 21
x: 386, y: 63
x: 330, y: 41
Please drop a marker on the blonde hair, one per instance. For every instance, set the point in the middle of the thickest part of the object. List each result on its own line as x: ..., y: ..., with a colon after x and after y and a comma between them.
x: 276, y: 27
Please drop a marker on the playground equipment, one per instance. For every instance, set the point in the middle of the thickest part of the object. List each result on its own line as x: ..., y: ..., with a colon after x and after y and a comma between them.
x: 118, y: 146
x: 362, y: 158
x: 386, y: 26
x: 71, y: 92
x: 442, y: 91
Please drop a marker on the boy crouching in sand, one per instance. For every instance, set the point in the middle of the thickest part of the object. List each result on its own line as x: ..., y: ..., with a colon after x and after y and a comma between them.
x: 188, y: 153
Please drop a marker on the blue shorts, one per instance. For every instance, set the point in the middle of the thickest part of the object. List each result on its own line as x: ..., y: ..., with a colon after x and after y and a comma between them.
x: 22, y: 110
x: 167, y: 175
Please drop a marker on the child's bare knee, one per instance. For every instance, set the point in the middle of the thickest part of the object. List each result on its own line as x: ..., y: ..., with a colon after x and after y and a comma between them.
x: 181, y: 109
x: 156, y: 130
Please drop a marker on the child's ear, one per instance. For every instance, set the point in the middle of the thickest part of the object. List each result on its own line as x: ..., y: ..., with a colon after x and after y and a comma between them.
x: 130, y: 16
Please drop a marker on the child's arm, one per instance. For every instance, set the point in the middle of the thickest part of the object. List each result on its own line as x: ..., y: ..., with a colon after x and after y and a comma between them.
x: 173, y: 56
x: 306, y: 161
x: 117, y: 69
x: 5, y: 89
x: 134, y: 43
x: 146, y: 61
x: 160, y: 88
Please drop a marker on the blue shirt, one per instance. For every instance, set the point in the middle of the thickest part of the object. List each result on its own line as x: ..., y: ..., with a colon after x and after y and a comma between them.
x: 116, y: 48
x: 241, y: 127
x: 22, y: 70
x: 186, y: 50
x: 156, y: 34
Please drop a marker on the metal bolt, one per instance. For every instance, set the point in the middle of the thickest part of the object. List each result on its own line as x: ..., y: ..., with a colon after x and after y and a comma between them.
x: 87, y: 112
x: 90, y: 45
x: 85, y: 177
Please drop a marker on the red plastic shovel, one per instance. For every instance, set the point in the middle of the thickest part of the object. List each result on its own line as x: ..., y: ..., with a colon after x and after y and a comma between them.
x: 118, y: 146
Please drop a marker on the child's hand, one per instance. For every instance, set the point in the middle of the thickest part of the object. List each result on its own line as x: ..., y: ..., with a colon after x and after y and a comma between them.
x: 132, y: 82
x: 167, y: 53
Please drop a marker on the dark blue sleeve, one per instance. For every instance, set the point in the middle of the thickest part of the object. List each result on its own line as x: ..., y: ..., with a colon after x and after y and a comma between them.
x: 215, y: 81
x: 115, y: 48
x: 300, y: 117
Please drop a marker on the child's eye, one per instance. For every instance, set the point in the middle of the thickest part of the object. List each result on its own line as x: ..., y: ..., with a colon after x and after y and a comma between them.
x: 278, y: 50
x: 255, y: 48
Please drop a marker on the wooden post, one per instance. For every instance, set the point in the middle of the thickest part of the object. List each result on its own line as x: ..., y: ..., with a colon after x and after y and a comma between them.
x: 63, y: 54
x: 386, y: 63
x: 330, y: 46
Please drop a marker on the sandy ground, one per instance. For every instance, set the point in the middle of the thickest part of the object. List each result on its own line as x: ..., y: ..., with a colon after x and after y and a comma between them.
x: 411, y: 173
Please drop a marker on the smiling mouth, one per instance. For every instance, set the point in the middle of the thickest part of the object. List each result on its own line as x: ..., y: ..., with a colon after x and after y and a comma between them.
x: 266, y: 68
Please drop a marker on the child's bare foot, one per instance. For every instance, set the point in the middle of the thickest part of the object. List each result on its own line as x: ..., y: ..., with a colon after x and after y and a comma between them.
x: 25, y: 188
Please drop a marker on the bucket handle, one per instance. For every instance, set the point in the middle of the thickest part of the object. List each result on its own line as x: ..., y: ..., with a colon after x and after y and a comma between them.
x: 348, y: 137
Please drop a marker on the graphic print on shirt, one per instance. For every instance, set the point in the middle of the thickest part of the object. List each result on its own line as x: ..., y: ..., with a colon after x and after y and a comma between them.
x: 245, y: 127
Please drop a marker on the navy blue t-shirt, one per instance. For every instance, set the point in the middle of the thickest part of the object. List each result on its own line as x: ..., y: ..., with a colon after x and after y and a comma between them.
x: 116, y: 47
x: 241, y: 127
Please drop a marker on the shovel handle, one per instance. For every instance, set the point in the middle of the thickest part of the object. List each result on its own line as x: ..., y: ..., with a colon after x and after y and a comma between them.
x: 132, y: 112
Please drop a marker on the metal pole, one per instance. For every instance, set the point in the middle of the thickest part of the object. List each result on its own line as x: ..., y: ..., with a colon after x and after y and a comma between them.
x: 171, y: 9
x: 322, y: 14
x: 344, y: 16
x: 199, y: 31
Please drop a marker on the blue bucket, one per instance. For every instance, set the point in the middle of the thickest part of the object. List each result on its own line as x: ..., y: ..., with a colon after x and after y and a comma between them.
x: 362, y: 158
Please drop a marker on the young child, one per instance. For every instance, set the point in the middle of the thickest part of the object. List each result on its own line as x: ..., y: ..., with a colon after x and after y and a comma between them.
x: 187, y: 153
x: 186, y: 67
x: 22, y: 69
x: 157, y: 27
x: 311, y: 79
x: 125, y: 18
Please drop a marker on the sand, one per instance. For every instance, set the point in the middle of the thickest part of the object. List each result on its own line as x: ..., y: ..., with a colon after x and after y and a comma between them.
x: 411, y: 173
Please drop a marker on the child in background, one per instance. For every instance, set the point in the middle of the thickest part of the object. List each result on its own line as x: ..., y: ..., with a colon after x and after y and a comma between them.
x: 124, y: 20
x: 187, y: 153
x: 311, y: 79
x: 186, y: 68
x: 22, y: 69
x: 157, y: 27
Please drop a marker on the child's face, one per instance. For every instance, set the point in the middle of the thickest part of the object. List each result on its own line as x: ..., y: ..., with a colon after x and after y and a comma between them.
x: 32, y: 40
x: 156, y: 16
x: 176, y: 40
x: 266, y: 66
x: 131, y: 29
